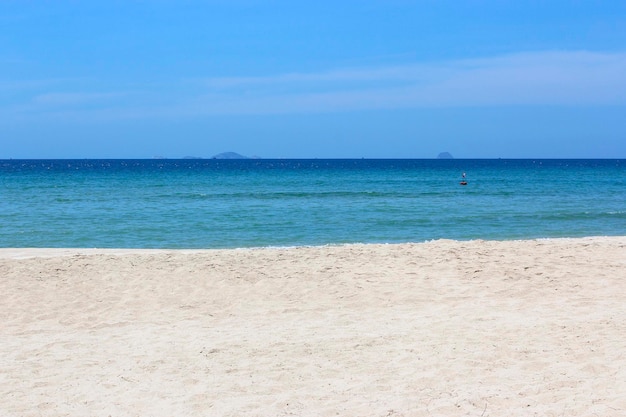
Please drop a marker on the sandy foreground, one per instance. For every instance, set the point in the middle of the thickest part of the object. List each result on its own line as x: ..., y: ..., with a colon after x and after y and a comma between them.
x: 444, y: 328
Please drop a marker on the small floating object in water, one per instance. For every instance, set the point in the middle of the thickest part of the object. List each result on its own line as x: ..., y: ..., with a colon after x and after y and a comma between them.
x: 463, y: 182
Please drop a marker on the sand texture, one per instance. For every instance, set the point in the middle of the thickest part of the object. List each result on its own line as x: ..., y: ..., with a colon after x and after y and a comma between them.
x: 444, y: 328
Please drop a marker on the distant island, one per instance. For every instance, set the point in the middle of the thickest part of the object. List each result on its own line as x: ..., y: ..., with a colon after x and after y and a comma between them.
x: 223, y: 155
x: 229, y: 155
x: 445, y: 155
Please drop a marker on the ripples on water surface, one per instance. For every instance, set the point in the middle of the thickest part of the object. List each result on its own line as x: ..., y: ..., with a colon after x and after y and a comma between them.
x: 244, y: 203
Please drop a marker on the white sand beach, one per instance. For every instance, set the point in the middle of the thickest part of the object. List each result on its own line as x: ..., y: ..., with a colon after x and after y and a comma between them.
x: 444, y: 328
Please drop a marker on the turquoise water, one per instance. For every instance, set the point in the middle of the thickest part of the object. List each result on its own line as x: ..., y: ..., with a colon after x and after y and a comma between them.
x: 249, y: 203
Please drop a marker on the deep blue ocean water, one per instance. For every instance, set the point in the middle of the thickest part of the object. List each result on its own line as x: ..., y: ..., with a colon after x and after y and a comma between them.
x: 250, y: 203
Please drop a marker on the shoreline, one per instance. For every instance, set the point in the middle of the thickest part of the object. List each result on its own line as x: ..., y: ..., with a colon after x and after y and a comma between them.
x: 443, y: 327
x: 47, y: 252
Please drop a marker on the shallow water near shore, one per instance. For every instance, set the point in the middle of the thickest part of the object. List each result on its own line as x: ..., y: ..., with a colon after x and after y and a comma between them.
x: 251, y: 203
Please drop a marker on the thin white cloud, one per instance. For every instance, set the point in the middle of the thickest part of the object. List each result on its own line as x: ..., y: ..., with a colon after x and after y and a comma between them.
x: 559, y: 78
x: 65, y: 99
x: 542, y: 78
x: 330, y: 79
x: 343, y: 75
x: 34, y: 84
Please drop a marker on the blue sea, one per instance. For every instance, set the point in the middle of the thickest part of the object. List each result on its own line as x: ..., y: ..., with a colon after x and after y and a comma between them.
x: 216, y: 203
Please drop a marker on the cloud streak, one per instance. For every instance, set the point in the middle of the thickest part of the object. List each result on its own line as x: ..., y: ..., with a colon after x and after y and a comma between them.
x: 556, y: 78
x: 73, y: 99
x: 543, y: 78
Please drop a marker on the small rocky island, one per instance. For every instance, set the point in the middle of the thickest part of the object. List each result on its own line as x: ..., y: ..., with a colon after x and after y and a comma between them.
x: 445, y: 155
x: 229, y: 155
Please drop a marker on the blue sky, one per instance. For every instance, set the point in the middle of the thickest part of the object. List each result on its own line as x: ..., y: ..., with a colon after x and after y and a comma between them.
x: 324, y: 79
